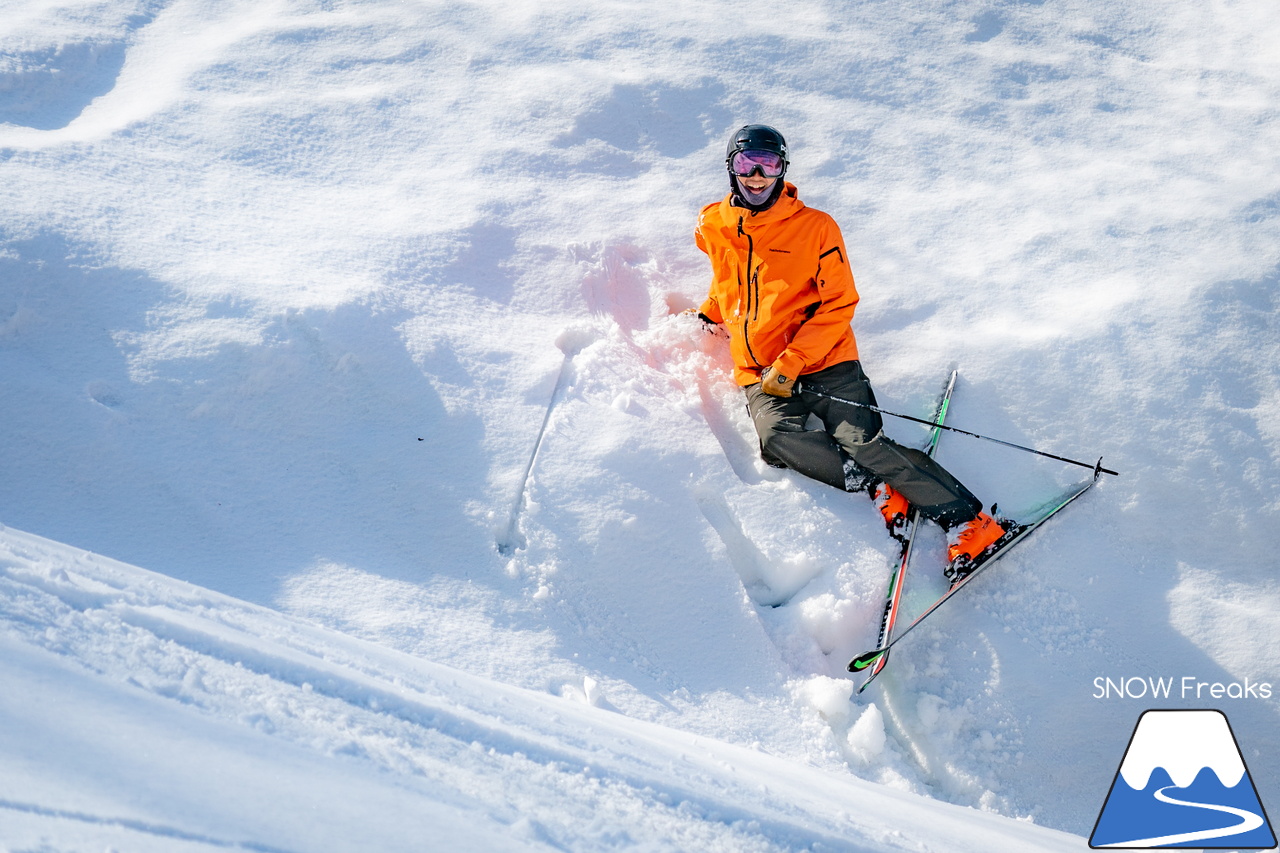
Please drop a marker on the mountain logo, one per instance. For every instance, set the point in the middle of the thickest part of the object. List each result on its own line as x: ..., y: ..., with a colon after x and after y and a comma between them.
x: 1183, y: 783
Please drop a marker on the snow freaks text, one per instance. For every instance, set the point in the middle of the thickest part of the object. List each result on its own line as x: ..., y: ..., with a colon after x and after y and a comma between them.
x: 1186, y: 687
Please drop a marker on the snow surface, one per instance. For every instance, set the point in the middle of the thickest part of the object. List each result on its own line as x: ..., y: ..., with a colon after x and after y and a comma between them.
x: 354, y: 321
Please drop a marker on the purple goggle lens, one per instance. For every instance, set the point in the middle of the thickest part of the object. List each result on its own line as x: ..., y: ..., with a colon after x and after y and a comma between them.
x: 744, y: 163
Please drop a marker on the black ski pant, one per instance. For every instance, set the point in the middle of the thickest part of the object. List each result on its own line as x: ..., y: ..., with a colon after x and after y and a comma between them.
x: 852, y: 444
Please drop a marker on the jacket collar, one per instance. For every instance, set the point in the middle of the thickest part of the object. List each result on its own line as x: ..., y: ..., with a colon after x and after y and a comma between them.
x: 787, y: 205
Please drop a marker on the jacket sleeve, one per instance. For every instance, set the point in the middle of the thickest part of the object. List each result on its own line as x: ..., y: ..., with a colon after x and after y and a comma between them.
x: 709, y: 308
x: 829, y: 324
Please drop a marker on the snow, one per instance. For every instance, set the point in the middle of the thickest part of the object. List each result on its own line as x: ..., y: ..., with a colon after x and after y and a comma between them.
x: 353, y: 325
x: 157, y: 715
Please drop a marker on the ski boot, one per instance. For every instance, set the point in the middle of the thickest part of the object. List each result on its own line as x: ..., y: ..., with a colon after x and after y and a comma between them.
x: 893, y: 508
x: 968, y: 543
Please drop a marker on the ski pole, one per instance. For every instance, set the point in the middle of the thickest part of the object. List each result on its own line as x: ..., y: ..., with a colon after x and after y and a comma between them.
x: 1091, y: 466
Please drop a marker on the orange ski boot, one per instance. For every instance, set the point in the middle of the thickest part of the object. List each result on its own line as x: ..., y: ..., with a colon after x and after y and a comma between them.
x: 893, y: 507
x: 966, y: 543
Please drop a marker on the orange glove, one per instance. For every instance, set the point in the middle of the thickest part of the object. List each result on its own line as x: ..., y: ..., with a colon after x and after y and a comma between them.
x: 774, y: 383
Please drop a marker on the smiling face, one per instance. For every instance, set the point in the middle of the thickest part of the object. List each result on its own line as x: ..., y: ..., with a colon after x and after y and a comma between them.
x: 755, y: 174
x: 756, y: 183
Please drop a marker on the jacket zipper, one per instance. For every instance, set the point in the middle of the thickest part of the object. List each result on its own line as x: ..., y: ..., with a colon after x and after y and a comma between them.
x: 752, y: 287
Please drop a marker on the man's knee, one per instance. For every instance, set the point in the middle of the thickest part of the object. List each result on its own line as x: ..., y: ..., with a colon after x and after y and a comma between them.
x: 865, y: 449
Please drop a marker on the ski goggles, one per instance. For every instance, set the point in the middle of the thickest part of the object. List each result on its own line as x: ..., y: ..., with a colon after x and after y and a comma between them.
x: 744, y: 164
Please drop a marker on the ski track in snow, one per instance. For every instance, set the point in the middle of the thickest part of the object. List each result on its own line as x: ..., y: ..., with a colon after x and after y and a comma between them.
x: 178, y: 838
x: 481, y: 746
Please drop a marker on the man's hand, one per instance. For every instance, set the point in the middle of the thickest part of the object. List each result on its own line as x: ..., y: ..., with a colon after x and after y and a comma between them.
x: 707, y: 322
x: 774, y: 383
x: 711, y: 327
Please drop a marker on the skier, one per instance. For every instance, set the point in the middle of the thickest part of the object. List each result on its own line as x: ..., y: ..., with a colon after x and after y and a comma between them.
x: 782, y: 287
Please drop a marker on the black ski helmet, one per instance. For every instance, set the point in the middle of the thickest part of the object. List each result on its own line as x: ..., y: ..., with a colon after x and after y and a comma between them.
x: 757, y: 137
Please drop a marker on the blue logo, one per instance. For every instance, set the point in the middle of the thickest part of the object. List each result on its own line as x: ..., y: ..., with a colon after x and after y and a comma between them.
x: 1183, y: 783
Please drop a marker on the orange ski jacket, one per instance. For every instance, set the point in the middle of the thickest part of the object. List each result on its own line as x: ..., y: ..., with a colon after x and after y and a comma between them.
x: 780, y: 284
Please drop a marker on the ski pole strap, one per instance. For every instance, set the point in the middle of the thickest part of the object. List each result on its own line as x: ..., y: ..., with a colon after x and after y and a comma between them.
x: 1096, y: 467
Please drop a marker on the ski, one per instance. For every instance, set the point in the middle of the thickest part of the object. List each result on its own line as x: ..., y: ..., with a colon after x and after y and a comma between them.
x: 893, y: 598
x: 1002, y: 546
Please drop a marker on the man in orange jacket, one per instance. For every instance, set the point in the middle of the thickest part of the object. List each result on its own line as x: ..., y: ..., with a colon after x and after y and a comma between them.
x: 782, y: 287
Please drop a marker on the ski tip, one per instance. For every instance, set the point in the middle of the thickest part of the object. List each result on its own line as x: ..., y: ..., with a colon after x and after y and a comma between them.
x: 865, y: 660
